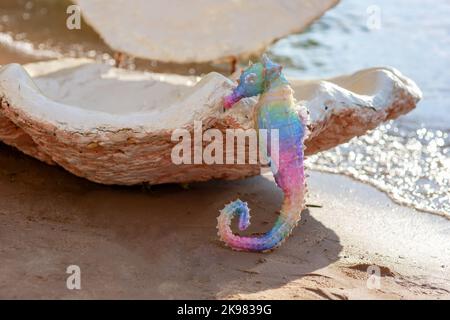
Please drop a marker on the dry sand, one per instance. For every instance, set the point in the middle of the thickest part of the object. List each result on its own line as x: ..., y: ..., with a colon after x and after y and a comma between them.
x: 161, y: 242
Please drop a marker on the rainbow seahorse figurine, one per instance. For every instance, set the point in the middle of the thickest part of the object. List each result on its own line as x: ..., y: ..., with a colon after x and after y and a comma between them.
x: 274, y: 110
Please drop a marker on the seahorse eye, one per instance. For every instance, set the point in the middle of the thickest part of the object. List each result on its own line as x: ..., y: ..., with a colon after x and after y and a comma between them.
x: 251, y: 78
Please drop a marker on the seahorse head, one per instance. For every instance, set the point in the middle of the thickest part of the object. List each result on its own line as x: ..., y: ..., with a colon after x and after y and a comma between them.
x: 254, y: 80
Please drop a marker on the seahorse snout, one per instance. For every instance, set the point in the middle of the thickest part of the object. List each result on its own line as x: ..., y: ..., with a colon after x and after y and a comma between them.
x: 231, y: 99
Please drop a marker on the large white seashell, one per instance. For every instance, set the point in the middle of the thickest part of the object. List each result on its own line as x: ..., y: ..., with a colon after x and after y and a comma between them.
x: 114, y: 126
x: 198, y: 30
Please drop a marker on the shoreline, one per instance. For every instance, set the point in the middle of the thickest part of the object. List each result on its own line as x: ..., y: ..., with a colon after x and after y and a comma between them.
x: 401, y: 203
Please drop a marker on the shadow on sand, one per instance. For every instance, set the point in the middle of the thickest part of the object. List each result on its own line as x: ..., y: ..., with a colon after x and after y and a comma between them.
x: 139, y: 242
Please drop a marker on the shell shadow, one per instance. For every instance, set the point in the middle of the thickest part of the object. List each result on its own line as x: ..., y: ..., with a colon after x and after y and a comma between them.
x: 155, y: 243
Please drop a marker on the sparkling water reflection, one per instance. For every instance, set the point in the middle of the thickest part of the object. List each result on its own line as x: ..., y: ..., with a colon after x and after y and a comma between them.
x: 407, y: 158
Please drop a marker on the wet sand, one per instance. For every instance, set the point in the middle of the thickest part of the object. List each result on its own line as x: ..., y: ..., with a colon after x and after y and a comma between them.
x: 161, y: 242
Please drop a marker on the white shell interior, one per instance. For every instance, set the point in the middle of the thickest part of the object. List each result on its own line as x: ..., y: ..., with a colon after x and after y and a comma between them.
x: 83, y: 95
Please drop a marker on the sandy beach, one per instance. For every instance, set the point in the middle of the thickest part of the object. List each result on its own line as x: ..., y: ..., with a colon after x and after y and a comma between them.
x: 161, y: 242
